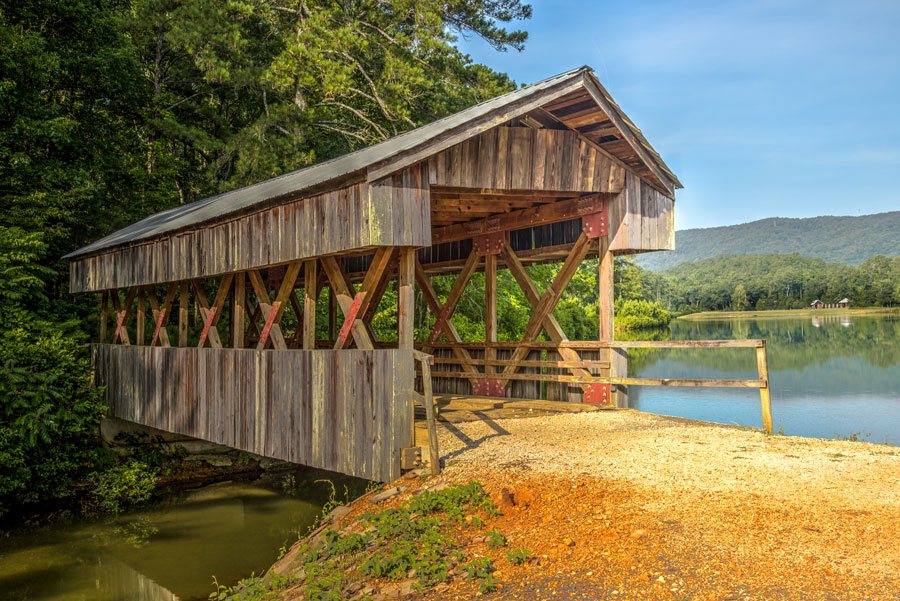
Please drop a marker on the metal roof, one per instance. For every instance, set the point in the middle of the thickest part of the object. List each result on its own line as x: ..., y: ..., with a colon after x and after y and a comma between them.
x: 336, y: 170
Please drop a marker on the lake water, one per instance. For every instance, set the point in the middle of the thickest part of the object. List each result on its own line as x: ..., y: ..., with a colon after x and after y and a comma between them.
x: 171, y: 550
x: 830, y: 376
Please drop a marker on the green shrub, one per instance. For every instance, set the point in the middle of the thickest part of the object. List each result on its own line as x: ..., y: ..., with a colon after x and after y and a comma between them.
x: 49, y: 417
x: 121, y: 486
x: 637, y: 314
x: 517, y: 556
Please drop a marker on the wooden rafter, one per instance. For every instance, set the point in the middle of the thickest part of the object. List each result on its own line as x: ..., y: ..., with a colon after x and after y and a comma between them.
x: 544, y: 304
x: 563, y: 210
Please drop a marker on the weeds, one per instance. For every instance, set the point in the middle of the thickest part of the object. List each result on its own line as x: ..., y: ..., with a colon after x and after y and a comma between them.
x: 495, y: 540
x: 406, y: 542
x: 517, y: 556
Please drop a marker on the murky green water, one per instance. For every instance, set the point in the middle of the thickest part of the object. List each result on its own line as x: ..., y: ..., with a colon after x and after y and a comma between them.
x: 829, y: 375
x: 171, y: 550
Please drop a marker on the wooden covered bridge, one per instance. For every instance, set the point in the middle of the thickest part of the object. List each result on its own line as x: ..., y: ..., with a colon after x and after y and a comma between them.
x: 554, y: 172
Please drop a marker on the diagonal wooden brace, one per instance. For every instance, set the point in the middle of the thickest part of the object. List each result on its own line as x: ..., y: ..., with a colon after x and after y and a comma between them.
x: 161, y: 314
x: 543, y: 305
x: 122, y: 313
x: 349, y: 319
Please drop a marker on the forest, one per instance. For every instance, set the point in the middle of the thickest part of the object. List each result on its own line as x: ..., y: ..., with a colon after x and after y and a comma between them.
x: 760, y: 282
x: 113, y: 110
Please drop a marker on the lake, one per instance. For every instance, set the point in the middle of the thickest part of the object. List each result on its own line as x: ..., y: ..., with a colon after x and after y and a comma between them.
x: 171, y: 550
x: 830, y: 376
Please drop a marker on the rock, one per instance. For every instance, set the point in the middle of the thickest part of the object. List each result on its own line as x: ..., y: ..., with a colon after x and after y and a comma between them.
x: 438, y: 487
x: 213, y: 459
x: 660, y: 579
x: 639, y: 534
x: 385, y: 495
x: 411, y: 475
x: 338, y: 513
x: 507, y: 498
x: 568, y: 542
x: 406, y: 587
x: 353, y: 587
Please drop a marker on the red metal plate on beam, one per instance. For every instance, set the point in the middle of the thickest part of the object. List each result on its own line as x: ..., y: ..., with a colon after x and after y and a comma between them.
x: 488, y: 387
x: 596, y: 224
x: 159, y: 320
x: 597, y: 394
x: 489, y: 244
x: 435, y: 334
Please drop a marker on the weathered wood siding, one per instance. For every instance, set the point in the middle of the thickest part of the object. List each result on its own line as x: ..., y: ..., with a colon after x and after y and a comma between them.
x: 521, y: 158
x: 347, y: 411
x: 641, y: 218
x: 393, y: 211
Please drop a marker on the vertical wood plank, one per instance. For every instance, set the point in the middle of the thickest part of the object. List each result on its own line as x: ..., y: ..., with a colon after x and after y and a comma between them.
x: 310, y: 275
x: 490, y: 308
x: 183, y: 313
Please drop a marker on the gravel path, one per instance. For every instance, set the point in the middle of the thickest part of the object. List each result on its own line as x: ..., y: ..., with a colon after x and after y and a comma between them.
x: 626, y: 505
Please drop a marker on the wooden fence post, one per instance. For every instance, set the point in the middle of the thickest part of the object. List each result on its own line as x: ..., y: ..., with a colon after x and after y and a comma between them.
x: 765, y: 400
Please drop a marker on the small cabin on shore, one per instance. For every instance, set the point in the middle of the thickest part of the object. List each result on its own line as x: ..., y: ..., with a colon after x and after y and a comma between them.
x: 843, y: 303
x: 817, y: 304
x: 551, y: 173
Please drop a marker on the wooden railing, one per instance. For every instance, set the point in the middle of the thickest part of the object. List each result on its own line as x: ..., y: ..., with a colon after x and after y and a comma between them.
x: 480, y: 369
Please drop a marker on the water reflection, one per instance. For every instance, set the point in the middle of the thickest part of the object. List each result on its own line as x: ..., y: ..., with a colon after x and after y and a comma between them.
x: 829, y: 375
x: 169, y: 551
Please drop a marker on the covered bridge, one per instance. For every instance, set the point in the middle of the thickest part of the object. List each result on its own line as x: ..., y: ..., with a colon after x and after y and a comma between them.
x: 553, y: 172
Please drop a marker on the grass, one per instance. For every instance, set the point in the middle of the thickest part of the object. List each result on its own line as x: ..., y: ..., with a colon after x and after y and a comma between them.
x: 790, y: 313
x: 414, y: 540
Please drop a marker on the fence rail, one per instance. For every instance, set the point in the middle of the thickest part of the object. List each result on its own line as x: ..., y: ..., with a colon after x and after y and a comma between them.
x: 579, y: 368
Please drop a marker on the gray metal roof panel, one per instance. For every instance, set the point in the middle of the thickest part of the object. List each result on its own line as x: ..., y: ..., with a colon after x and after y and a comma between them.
x: 239, y: 200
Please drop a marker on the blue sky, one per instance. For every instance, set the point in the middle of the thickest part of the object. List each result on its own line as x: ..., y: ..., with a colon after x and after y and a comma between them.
x: 768, y: 108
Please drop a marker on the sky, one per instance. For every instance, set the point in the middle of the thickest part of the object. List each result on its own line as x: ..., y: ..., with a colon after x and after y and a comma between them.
x: 784, y: 108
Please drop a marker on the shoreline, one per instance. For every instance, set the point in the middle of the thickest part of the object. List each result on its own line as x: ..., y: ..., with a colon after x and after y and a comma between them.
x: 630, y: 505
x: 774, y: 313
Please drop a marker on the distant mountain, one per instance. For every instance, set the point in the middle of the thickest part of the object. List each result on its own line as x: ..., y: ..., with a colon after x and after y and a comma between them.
x: 848, y: 240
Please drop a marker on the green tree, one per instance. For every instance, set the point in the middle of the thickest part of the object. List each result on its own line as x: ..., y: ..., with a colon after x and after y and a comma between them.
x: 739, y: 300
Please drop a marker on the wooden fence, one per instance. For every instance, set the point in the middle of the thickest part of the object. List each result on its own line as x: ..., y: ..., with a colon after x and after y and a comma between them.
x: 589, y: 371
x: 347, y: 411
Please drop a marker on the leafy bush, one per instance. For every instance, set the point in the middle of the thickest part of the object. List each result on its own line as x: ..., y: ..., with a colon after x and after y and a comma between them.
x: 637, y: 314
x: 49, y: 417
x: 121, y: 486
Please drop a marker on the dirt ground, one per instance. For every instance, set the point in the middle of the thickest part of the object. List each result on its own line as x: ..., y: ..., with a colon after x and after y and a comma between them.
x: 625, y: 505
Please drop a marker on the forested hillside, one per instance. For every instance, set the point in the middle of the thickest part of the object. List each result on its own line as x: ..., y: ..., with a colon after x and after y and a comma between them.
x: 775, y: 282
x: 848, y: 240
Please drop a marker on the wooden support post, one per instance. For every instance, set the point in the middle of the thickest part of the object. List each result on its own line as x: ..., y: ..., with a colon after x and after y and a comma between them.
x: 331, y: 314
x: 310, y: 274
x: 490, y: 309
x: 765, y: 400
x: 141, y: 317
x: 617, y: 357
x: 104, y: 311
x: 185, y: 290
x: 434, y: 456
x: 238, y: 310
x: 406, y: 299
